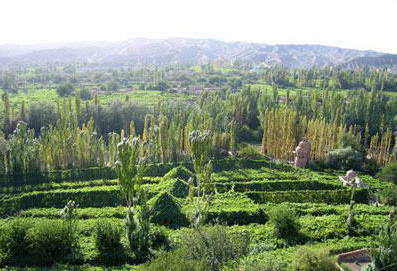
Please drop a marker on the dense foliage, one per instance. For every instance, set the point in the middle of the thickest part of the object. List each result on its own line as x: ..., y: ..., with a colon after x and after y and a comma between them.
x: 182, y: 159
x: 86, y: 132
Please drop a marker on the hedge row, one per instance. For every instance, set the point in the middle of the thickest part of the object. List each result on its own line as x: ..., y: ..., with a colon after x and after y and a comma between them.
x: 55, y: 186
x: 71, y: 175
x: 68, y: 185
x: 233, y: 163
x: 275, y: 186
x: 87, y: 197
x: 154, y: 170
x: 315, y: 196
x: 82, y: 213
x: 237, y: 216
x: 99, y: 196
x: 110, y: 196
x: 76, y: 175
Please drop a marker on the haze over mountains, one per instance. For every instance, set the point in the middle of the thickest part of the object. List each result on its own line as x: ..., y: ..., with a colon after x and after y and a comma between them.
x: 188, y: 51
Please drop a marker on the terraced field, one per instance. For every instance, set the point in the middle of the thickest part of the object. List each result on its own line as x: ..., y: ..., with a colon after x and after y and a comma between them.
x: 246, y: 191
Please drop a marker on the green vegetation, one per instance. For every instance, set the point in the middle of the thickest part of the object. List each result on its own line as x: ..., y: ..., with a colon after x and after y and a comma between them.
x: 388, y: 173
x: 284, y: 222
x: 167, y: 211
x: 384, y: 253
x: 108, y: 243
x: 254, y: 230
x: 312, y: 260
x: 167, y: 179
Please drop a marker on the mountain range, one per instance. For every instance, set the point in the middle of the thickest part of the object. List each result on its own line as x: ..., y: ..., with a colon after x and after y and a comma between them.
x: 187, y: 51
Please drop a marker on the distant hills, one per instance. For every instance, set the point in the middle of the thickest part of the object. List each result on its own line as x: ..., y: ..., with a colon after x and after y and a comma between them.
x: 193, y: 52
x: 381, y: 61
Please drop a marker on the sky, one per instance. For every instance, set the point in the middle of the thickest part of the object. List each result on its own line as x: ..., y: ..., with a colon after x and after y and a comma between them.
x: 359, y: 24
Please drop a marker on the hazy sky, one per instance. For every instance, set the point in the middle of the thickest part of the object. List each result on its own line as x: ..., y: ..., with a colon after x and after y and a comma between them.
x: 361, y: 24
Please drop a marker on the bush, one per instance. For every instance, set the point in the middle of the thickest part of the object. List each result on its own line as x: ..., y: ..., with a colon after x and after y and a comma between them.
x: 384, y: 253
x: 108, y: 243
x: 313, y: 260
x: 158, y: 239
x: 176, y: 261
x: 65, y: 90
x: 263, y: 266
x: 243, y: 216
x: 250, y: 152
x: 346, y: 158
x: 158, y: 170
x: 349, y: 140
x: 13, y: 241
x: 179, y: 189
x: 247, y: 134
x: 285, y: 222
x: 215, y: 246
x: 388, y: 196
x: 370, y: 166
x: 52, y: 241
x: 179, y: 172
x: 166, y: 211
x: 388, y: 173
x: 41, y: 114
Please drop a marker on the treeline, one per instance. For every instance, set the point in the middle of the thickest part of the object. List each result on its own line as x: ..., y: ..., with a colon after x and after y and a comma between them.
x: 115, y: 78
x: 77, y: 134
x: 332, y: 78
x: 189, y: 78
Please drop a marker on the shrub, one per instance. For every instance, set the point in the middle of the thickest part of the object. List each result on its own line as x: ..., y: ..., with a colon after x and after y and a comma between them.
x: 243, y: 216
x: 313, y: 260
x: 247, y: 134
x: 108, y: 243
x: 158, y: 239
x: 249, y: 152
x: 388, y: 196
x: 285, y: 222
x: 158, y: 170
x: 370, y: 166
x: 176, y: 261
x: 166, y: 211
x: 179, y: 189
x: 263, y: 266
x: 346, y: 158
x: 388, y: 173
x: 349, y: 140
x: 179, y: 172
x: 13, y: 241
x: 41, y: 114
x: 215, y: 246
x: 52, y: 241
x: 65, y: 90
x: 384, y: 253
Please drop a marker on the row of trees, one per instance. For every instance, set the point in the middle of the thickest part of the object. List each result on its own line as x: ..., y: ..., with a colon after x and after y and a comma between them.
x: 332, y: 78
x: 114, y: 78
x: 76, y: 134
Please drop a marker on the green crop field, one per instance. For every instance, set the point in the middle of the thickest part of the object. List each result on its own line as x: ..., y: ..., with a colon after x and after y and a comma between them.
x: 246, y: 191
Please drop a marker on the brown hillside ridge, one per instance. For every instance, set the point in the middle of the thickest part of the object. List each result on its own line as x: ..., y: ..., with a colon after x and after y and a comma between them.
x: 355, y: 260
